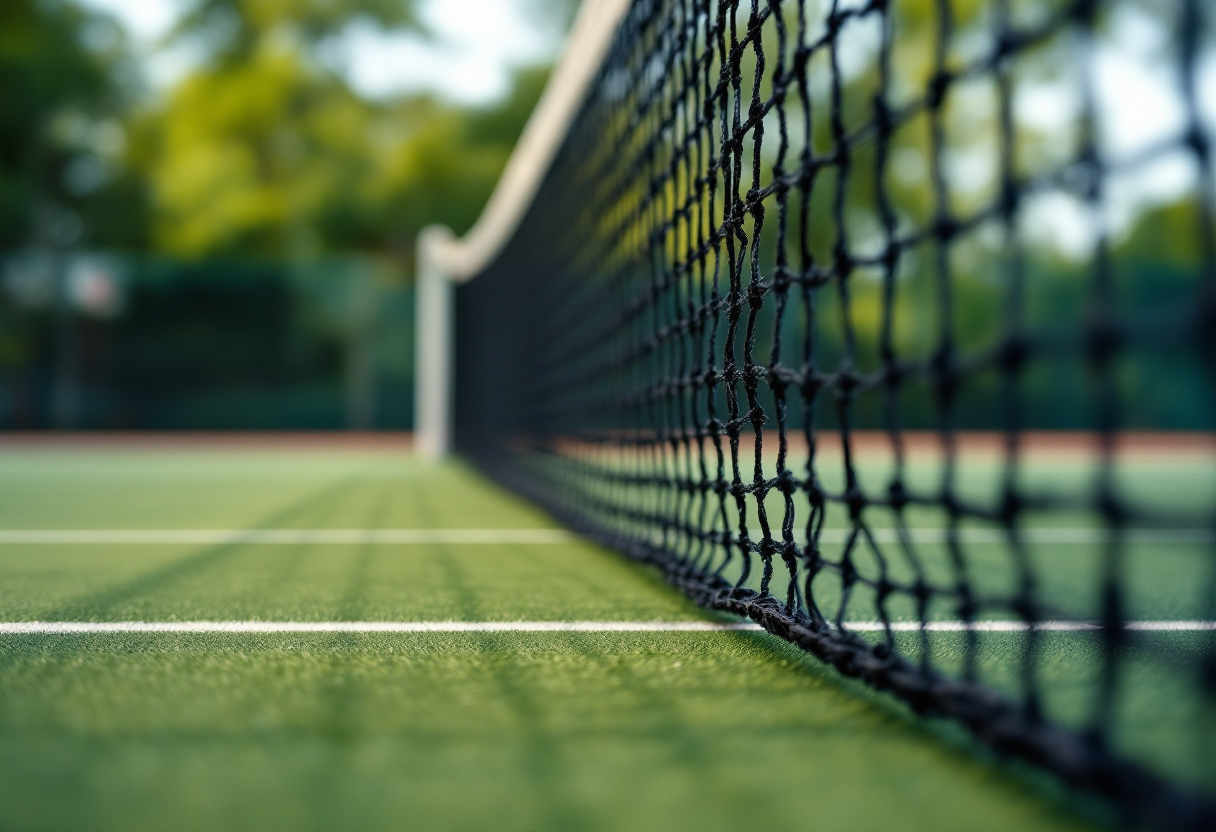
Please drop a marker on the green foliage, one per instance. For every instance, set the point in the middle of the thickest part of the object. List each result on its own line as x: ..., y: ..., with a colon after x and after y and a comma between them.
x: 273, y: 156
x: 266, y: 151
x: 66, y: 82
x: 263, y: 150
x: 235, y: 29
x: 243, y: 156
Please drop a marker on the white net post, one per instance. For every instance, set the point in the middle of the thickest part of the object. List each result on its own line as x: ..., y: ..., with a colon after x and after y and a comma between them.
x: 444, y: 261
x: 433, y: 346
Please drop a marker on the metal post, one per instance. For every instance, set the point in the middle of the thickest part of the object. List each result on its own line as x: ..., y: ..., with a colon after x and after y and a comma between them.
x: 433, y: 313
x: 444, y: 261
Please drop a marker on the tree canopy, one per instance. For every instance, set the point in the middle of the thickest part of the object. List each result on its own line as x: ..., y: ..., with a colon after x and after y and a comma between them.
x: 262, y: 149
x: 68, y: 83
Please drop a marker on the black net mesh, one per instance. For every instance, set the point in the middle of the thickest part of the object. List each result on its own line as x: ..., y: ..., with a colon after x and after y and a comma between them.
x: 798, y: 297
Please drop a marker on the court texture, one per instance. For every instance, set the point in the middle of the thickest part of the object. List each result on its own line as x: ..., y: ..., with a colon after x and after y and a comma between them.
x: 323, y: 633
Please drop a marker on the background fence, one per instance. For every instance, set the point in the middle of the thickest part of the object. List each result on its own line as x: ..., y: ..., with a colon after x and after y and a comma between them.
x: 97, y: 341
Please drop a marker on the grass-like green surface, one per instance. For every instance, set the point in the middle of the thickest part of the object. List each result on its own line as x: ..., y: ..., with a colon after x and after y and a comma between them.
x: 427, y: 731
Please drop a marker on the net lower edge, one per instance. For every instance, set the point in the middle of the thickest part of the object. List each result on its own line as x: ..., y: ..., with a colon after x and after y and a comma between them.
x: 1139, y: 797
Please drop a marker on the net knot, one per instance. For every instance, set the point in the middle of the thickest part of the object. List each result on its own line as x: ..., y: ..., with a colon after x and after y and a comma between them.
x: 808, y: 169
x: 1024, y: 607
x: 897, y: 494
x: 945, y: 373
x: 1112, y: 619
x: 1085, y: 177
x: 1012, y: 505
x: 842, y: 262
x: 882, y: 115
x: 1103, y: 338
x: 950, y: 505
x: 800, y: 59
x: 834, y: 23
x: 847, y: 382
x: 856, y: 501
x: 755, y: 205
x: 1014, y: 354
x: 893, y: 372
x: 1008, y: 42
x: 778, y: 378
x: 848, y: 573
x: 1011, y: 197
x: 811, y: 384
x: 891, y: 255
x: 1085, y: 11
x: 946, y: 228
x: 1111, y: 509
x: 756, y: 290
x: 1198, y: 143
x: 785, y: 482
x: 755, y: 114
x: 939, y: 85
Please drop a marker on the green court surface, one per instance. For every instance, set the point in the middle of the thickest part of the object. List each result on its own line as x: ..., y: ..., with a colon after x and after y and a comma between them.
x: 467, y: 730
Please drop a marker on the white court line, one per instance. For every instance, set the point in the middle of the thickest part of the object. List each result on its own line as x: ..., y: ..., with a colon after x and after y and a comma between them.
x: 296, y: 537
x: 1022, y: 626
x: 283, y: 536
x: 97, y: 627
x: 54, y: 627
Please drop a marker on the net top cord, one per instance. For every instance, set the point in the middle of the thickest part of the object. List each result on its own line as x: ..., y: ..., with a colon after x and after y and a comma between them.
x: 783, y: 247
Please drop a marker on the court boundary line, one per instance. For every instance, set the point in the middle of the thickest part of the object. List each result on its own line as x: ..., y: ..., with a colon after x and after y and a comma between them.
x: 254, y: 626
x: 284, y: 536
x: 293, y: 537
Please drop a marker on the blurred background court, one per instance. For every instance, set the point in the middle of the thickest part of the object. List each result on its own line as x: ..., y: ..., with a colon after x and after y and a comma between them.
x: 208, y: 210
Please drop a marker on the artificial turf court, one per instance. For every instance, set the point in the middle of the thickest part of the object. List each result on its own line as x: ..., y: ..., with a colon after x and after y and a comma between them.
x: 434, y: 730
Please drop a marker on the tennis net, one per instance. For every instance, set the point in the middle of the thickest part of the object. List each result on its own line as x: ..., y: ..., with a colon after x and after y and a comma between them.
x: 790, y: 254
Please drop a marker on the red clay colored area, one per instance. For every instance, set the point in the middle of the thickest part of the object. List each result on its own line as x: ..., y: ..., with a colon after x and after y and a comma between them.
x: 218, y: 440
x: 982, y: 444
x: 967, y: 444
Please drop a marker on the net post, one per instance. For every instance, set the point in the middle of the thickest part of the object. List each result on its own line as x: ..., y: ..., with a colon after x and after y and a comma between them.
x: 435, y: 321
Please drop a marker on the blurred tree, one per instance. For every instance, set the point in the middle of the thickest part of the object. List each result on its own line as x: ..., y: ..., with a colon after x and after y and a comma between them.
x: 266, y: 150
x: 67, y: 79
x: 556, y: 13
x: 446, y: 167
x: 235, y: 30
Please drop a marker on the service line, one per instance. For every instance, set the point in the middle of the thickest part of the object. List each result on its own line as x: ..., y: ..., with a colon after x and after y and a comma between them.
x: 323, y: 537
x: 101, y: 627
